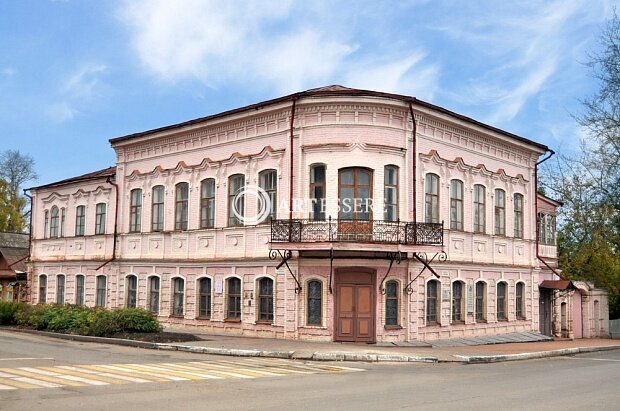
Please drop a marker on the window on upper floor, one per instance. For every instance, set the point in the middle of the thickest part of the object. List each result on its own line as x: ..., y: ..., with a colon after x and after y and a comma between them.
x: 47, y: 224
x: 204, y: 298
x: 500, y: 212
x: 42, y: 289
x: 391, y: 303
x: 458, y: 302
x: 181, y: 205
x: 317, y: 192
x: 80, y: 220
x: 60, y: 289
x: 314, y: 303
x: 135, y: 210
x: 546, y: 229
x: 265, y: 300
x: 100, y: 216
x: 207, y: 203
x: 456, y: 205
x: 54, y: 222
x: 501, y: 301
x: 431, y: 198
x: 269, y: 182
x: 157, y: 208
x: 355, y: 194
x: 63, y: 215
x: 236, y: 204
x: 479, y: 209
x: 131, y: 284
x: 518, y: 208
x: 390, y: 193
x: 432, y: 296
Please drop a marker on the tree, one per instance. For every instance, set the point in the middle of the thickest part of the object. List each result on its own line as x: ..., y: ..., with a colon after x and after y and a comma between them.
x: 589, y: 184
x: 15, y: 170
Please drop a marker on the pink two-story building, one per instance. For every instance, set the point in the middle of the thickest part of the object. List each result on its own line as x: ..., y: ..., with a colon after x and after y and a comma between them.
x: 387, y: 219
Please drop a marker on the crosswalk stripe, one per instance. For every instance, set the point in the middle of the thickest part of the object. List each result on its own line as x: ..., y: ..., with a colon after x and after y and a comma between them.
x: 239, y: 369
x: 44, y: 378
x: 157, y: 368
x: 234, y: 372
x: 85, y: 376
x: 17, y: 384
x: 142, y: 370
x: 125, y: 373
x: 6, y: 387
x: 53, y: 374
x: 286, y: 370
x: 37, y: 383
x: 104, y: 376
x: 193, y: 370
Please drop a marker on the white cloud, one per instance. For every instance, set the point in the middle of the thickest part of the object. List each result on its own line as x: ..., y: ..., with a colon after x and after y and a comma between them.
x: 84, y: 81
x: 8, y: 71
x: 61, y: 112
x: 276, y: 44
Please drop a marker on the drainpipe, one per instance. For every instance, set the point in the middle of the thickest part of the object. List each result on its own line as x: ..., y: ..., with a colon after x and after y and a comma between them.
x: 553, y: 270
x: 290, y: 186
x: 415, y: 162
x: 109, y: 181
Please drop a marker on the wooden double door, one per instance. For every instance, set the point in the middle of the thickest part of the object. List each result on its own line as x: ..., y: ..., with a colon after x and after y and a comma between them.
x: 355, y: 306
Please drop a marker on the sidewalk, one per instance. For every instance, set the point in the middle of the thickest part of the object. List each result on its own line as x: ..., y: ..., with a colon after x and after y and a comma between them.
x: 416, y: 352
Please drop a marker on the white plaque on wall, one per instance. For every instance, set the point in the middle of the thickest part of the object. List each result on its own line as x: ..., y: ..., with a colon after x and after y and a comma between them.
x: 219, y: 286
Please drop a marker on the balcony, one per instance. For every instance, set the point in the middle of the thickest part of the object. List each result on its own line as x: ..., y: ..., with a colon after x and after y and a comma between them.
x: 356, y: 235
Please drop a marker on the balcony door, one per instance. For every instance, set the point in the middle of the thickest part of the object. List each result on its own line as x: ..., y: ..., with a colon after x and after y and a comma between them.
x: 355, y: 200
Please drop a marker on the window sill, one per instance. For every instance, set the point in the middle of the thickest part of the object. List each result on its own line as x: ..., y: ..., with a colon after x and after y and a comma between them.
x: 176, y: 316
x: 314, y: 326
x: 502, y: 320
x: 460, y: 322
x: 483, y: 321
x: 264, y: 322
x: 232, y: 320
x: 393, y: 327
x: 203, y: 318
x: 521, y: 318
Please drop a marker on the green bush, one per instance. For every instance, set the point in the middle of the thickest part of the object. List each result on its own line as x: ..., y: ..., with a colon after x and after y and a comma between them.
x: 80, y: 320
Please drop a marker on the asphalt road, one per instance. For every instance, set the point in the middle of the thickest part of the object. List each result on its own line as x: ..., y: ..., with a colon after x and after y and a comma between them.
x: 86, y: 376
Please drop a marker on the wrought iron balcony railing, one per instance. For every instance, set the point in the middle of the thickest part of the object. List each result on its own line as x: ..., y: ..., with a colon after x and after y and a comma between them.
x: 357, y: 231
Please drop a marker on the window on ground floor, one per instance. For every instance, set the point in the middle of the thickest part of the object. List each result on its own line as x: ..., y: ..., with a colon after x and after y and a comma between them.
x: 458, y: 302
x: 391, y: 303
x: 79, y: 289
x: 60, y: 289
x: 101, y: 295
x: 42, y: 289
x: 501, y: 301
x: 153, y: 291
x: 481, y: 296
x: 265, y: 300
x: 315, y: 303
x: 432, y: 294
x: 519, y: 301
x: 233, y: 287
x: 132, y: 291
x: 178, y: 296
x: 204, y: 298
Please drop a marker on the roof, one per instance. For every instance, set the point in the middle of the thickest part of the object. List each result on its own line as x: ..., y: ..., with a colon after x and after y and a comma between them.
x: 550, y: 200
x: 557, y: 284
x: 14, y: 240
x: 106, y: 172
x: 333, y: 90
x: 15, y: 257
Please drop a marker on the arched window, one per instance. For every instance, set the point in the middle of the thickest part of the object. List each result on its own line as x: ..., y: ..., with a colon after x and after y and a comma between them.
x: 315, y: 303
x: 181, y: 206
x: 47, y: 224
x: 236, y: 204
x: 432, y: 295
x: 207, y: 203
x: 102, y: 292
x: 79, y: 289
x: 80, y: 220
x: 54, y: 222
x: 391, y: 303
x: 178, y: 296
x: 479, y: 209
x: 355, y: 194
x: 519, y: 301
x: 456, y: 205
x: 317, y: 191
x: 265, y: 299
x: 390, y: 193
x: 518, y: 208
x: 481, y: 298
x: 100, y: 214
x: 157, y: 208
x: 269, y: 182
x: 431, y: 197
x: 500, y: 212
x: 501, y: 301
x: 131, y: 282
x: 135, y: 210
x: 153, y: 297
x: 204, y: 298
x: 60, y: 289
x: 42, y: 289
x: 63, y: 216
x: 458, y: 302
x: 233, y: 299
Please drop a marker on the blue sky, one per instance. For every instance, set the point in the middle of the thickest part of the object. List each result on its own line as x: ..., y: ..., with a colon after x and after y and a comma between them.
x: 75, y: 73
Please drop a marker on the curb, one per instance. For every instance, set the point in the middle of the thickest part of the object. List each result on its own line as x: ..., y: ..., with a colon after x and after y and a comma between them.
x: 487, y: 359
x: 317, y: 356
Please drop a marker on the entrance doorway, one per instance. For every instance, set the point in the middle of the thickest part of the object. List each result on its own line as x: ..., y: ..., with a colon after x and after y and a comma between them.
x: 544, y: 311
x: 355, y: 306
